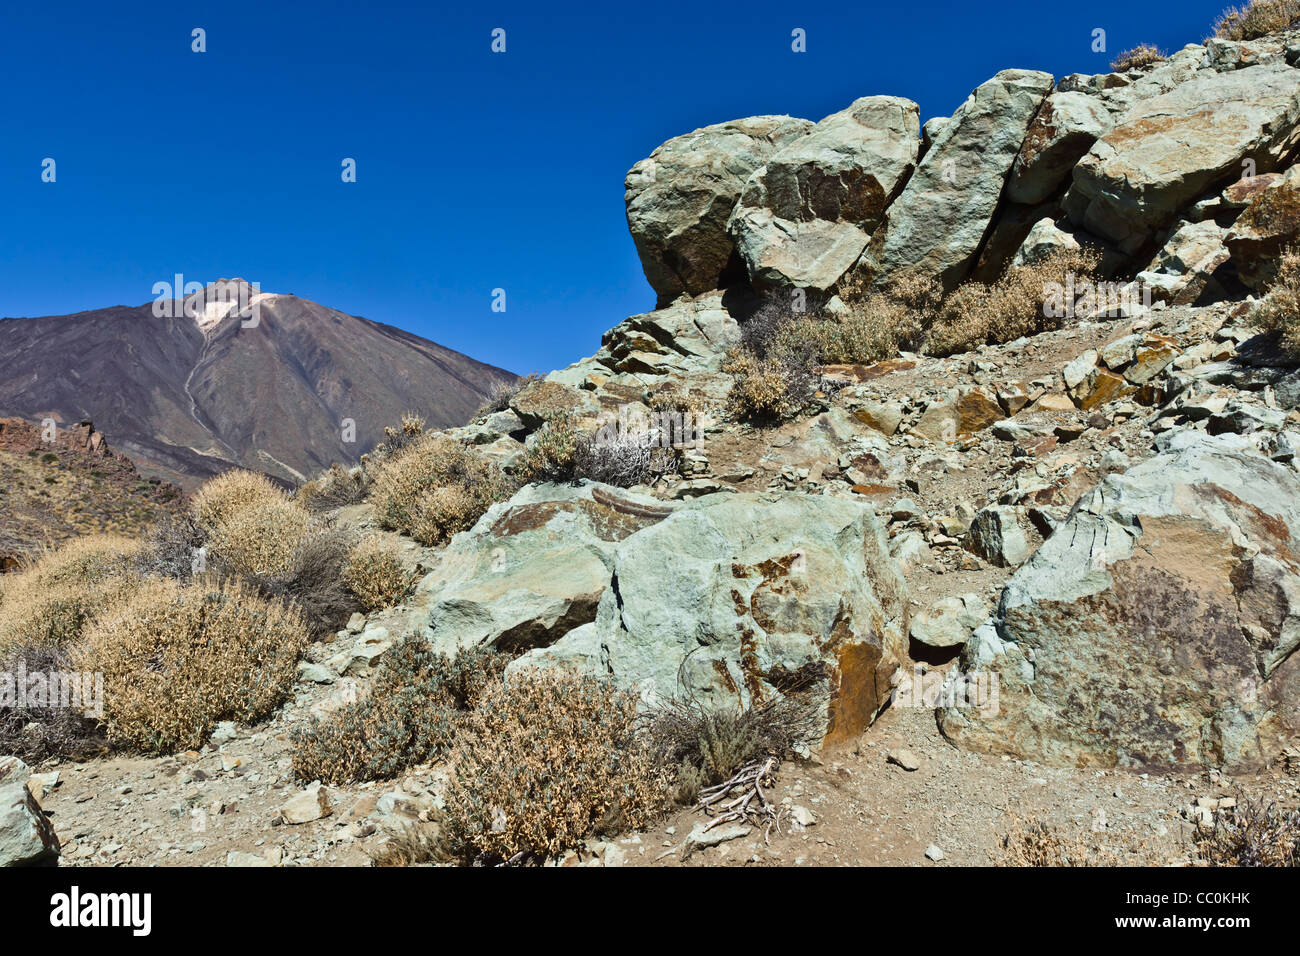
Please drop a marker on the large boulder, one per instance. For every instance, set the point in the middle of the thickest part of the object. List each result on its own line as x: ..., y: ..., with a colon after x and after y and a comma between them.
x: 1156, y: 627
x: 1269, y: 224
x: 1183, y: 271
x: 678, y: 200
x: 532, y: 568
x: 937, y: 224
x: 1174, y: 148
x: 26, y: 836
x: 805, y: 216
x: 744, y: 595
x: 1065, y: 128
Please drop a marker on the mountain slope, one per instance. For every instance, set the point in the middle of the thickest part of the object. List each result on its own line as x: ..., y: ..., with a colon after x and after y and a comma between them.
x: 192, y: 396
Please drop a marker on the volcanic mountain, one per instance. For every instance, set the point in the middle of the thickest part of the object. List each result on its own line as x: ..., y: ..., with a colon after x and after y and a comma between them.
x: 233, y: 376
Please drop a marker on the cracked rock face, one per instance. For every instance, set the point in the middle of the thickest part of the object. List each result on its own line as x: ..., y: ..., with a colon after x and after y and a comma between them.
x: 806, y: 214
x: 740, y: 596
x: 680, y: 197
x: 1155, y: 628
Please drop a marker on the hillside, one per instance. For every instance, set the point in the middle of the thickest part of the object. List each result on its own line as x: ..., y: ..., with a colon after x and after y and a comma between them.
x: 192, y: 394
x: 945, y: 512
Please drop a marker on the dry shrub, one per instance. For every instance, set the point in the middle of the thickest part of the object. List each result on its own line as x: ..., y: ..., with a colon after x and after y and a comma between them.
x: 170, y: 548
x: 408, y: 431
x: 547, y: 760
x: 259, y: 538
x: 1039, y: 844
x: 232, y: 491
x: 413, y: 845
x: 622, y: 459
x: 178, y: 658
x: 51, y: 601
x: 768, y: 390
x: 1254, y: 834
x: 410, y: 715
x: 375, y: 575
x: 1258, y: 18
x: 776, y: 366
x: 1280, y: 309
x: 314, y: 578
x: 976, y: 314
x: 1144, y: 54
x: 36, y: 733
x: 503, y: 393
x: 703, y: 746
x: 434, y: 488
x: 335, y: 488
x: 551, y: 451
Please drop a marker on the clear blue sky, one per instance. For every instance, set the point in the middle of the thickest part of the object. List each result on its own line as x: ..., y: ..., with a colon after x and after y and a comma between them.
x: 475, y: 170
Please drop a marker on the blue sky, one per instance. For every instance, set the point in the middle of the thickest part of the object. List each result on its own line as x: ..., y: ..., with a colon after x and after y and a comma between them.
x: 475, y: 170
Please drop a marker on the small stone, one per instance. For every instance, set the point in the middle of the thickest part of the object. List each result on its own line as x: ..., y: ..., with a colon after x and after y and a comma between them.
x: 311, y: 804
x: 932, y: 852
x: 802, y: 816
x: 904, y: 758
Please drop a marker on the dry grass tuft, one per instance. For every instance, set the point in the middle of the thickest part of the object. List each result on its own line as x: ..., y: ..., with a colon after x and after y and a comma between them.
x: 1254, y: 834
x: 976, y: 314
x: 375, y: 575
x: 1280, y: 309
x: 410, y: 715
x: 413, y: 845
x: 259, y: 537
x: 1257, y: 19
x: 435, y: 487
x: 547, y: 760
x: 1144, y: 54
x: 703, y: 747
x: 232, y: 491
x: 178, y: 658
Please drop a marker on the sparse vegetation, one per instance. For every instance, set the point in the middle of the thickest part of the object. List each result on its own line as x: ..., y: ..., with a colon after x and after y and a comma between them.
x: 1253, y: 834
x: 410, y: 714
x: 976, y: 314
x: 375, y: 575
x: 1257, y: 19
x: 1039, y: 844
x: 334, y: 488
x: 1280, y: 309
x: 178, y: 658
x: 546, y: 760
x: 702, y: 746
x: 36, y: 733
x: 1144, y: 54
x: 504, y: 393
x: 434, y: 488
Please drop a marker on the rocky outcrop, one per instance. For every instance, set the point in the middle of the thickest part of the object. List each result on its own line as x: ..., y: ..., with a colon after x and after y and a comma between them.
x: 1268, y: 225
x: 532, y: 568
x: 1172, y: 149
x: 679, y: 199
x: 805, y: 216
x: 1183, y: 271
x: 26, y: 836
x: 744, y: 596
x: 689, y: 336
x: 937, y: 224
x: 1156, y: 627
x: 1065, y: 128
